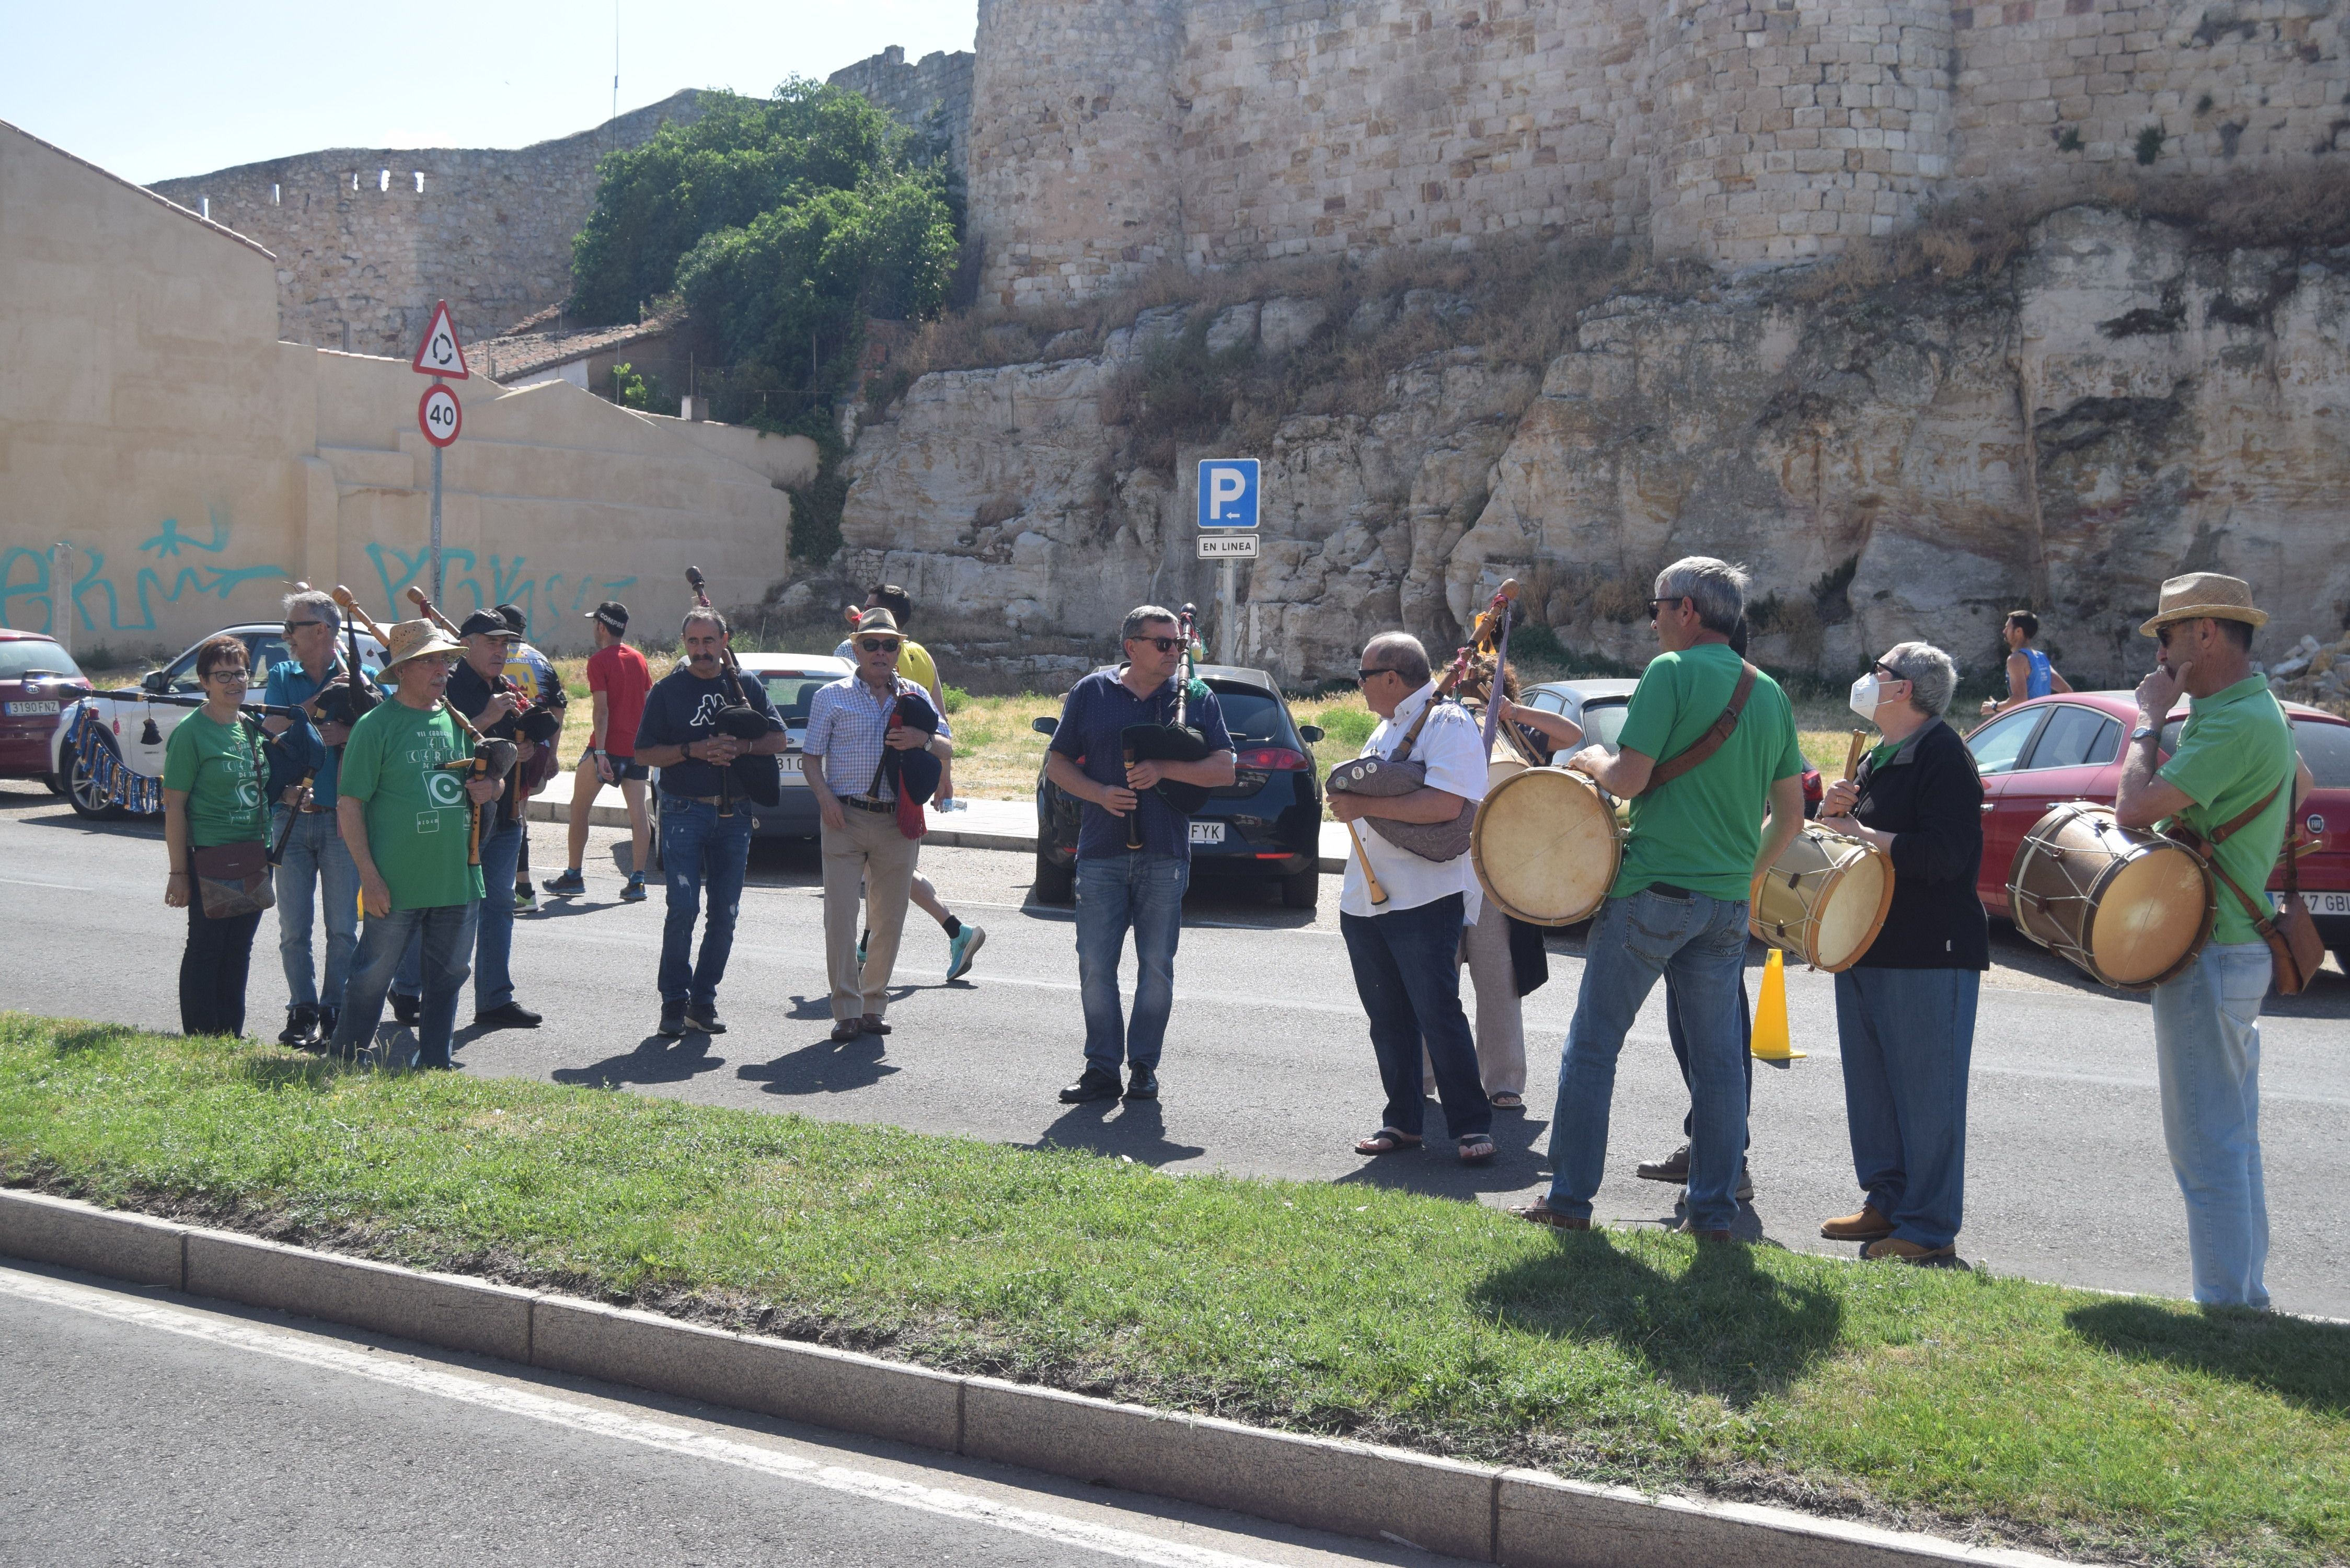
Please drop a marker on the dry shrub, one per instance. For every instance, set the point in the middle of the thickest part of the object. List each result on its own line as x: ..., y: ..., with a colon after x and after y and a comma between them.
x: 995, y: 509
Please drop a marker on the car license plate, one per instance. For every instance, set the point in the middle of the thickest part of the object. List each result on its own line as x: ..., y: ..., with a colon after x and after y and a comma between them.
x: 1207, y: 833
x: 2327, y: 903
x: 790, y: 761
x: 30, y: 710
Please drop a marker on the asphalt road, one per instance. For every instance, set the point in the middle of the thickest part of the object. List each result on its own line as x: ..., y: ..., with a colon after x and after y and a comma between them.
x: 141, y: 1427
x: 1268, y: 1069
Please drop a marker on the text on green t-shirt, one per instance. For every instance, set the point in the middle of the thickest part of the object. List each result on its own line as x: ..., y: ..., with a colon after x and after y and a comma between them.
x: 2235, y: 749
x: 1703, y: 830
x: 418, y: 818
x: 214, y: 763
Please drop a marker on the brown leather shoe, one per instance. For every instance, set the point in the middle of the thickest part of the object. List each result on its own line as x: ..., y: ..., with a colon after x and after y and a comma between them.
x: 1719, y: 1238
x: 1867, y: 1225
x: 1540, y: 1213
x: 1893, y: 1249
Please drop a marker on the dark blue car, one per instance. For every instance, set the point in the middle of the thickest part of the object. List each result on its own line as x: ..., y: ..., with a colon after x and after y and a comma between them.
x: 1266, y: 822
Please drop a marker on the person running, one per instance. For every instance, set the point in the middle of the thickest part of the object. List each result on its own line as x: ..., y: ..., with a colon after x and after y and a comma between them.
x: 2028, y: 674
x: 212, y: 780
x: 618, y: 682
x: 915, y: 663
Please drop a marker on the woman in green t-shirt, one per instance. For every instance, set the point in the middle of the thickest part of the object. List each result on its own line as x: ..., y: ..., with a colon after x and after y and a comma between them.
x: 213, y: 781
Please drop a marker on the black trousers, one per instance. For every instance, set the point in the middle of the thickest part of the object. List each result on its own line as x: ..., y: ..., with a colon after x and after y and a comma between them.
x: 212, y: 969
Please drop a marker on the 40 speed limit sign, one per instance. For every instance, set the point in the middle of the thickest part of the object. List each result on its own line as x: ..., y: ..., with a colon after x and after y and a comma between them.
x: 438, y: 415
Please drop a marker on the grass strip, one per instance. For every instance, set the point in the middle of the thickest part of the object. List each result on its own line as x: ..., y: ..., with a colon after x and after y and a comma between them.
x: 1990, y: 1408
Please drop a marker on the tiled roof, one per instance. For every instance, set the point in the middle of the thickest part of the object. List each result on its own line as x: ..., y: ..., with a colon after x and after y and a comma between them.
x: 525, y: 353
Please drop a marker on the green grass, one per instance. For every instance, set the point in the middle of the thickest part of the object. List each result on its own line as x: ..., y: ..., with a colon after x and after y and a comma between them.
x: 2105, y: 1425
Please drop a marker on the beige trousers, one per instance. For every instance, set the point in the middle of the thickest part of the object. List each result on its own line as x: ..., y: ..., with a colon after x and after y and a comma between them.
x: 865, y: 854
x: 1501, y: 1023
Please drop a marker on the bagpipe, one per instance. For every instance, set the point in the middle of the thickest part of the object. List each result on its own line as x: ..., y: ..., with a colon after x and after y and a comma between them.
x: 759, y: 774
x: 1176, y: 741
x: 539, y: 722
x: 1397, y: 773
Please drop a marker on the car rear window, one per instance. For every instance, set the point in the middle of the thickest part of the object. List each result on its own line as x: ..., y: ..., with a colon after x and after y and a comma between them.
x: 18, y: 660
x: 1255, y: 716
x: 1998, y: 743
x: 1603, y: 720
x: 791, y: 694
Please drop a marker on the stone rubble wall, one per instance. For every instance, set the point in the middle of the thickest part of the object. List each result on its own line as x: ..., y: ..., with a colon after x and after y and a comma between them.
x: 362, y: 253
x: 935, y: 91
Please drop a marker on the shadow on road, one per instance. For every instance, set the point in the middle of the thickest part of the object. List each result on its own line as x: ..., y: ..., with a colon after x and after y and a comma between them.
x: 2307, y: 1363
x: 1436, y: 1170
x: 1131, y: 1127
x: 823, y: 1067
x: 1722, y: 1326
x: 656, y: 1060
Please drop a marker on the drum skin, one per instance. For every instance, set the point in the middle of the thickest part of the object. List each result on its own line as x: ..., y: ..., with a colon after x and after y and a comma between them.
x: 1546, y: 845
x: 2130, y: 908
x: 1824, y: 899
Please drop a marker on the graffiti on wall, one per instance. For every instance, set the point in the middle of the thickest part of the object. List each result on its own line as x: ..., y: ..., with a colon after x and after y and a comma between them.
x: 26, y: 576
x: 546, y: 601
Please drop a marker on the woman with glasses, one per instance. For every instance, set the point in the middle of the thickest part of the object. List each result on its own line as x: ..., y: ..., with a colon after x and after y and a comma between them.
x: 212, y: 778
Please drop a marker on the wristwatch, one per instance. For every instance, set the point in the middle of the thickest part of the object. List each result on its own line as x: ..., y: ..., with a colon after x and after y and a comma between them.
x: 2144, y: 733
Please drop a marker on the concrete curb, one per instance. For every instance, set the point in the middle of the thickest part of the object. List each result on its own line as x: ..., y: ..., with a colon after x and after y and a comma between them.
x: 1522, y: 1518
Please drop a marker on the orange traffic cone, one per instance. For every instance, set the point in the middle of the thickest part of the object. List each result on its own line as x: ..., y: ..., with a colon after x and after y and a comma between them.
x: 1771, y: 1043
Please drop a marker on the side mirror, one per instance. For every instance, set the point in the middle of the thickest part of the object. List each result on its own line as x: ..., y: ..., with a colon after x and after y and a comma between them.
x: 1309, y: 733
x: 1044, y: 723
x: 155, y: 681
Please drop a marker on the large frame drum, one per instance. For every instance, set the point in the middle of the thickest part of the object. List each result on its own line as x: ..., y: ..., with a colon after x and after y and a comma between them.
x: 1824, y: 899
x: 2130, y: 908
x: 1546, y: 845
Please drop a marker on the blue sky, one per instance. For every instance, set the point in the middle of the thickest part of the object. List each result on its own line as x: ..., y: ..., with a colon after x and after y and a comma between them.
x: 152, y: 91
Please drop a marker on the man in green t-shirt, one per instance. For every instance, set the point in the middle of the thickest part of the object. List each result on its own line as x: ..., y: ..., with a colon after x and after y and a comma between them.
x: 2235, y: 753
x: 406, y: 815
x: 1678, y: 911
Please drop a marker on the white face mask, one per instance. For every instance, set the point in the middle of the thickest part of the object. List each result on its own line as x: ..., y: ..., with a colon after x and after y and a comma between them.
x: 1863, y: 696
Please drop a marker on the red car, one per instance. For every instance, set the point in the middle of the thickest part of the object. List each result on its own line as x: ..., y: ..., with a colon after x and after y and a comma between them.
x: 2054, y: 749
x: 38, y: 681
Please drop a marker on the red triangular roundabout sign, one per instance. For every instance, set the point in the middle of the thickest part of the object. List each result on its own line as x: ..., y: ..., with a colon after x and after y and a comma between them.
x: 441, y: 354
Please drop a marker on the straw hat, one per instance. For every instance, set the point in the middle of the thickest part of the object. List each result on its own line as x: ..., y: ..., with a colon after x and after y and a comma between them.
x: 2200, y: 594
x: 415, y: 639
x: 879, y: 622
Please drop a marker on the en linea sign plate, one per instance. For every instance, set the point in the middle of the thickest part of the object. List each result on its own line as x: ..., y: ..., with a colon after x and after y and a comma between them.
x: 438, y: 415
x: 441, y: 354
x: 1228, y: 546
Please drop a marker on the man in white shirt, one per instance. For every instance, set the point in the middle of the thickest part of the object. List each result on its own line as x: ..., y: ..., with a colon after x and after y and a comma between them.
x: 1404, y: 950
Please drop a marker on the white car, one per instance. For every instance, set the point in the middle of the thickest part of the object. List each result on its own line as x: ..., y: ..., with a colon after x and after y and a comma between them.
x: 135, y: 727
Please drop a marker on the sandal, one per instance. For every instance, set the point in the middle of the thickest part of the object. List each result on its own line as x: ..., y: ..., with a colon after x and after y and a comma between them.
x: 1506, y: 1101
x: 871, y: 1024
x: 1541, y: 1213
x: 1476, y: 1149
x: 1387, y: 1141
x: 844, y: 1031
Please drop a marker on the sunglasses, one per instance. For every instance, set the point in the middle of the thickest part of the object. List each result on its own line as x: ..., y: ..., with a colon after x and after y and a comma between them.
x: 293, y: 626
x: 1889, y: 673
x: 1163, y: 644
x: 876, y: 644
x: 1654, y: 605
x: 1363, y: 677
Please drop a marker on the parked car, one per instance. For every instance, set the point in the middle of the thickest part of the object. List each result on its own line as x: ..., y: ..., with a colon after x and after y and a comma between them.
x: 2069, y: 747
x: 38, y: 682
x: 136, y: 728
x: 1266, y: 822
x: 791, y: 679
x: 1599, y: 706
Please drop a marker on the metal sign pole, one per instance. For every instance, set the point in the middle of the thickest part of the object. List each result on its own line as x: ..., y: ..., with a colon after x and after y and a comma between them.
x: 436, y: 525
x: 1225, y: 616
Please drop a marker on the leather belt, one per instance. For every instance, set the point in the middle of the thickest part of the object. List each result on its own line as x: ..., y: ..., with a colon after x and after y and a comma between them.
x: 313, y: 809
x: 878, y: 807
x: 699, y: 799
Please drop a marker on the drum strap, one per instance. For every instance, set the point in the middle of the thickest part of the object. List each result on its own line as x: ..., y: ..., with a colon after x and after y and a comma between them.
x: 2296, y: 948
x: 1698, y: 751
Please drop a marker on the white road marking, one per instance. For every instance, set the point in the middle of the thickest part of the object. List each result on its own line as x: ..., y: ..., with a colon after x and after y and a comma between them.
x: 1131, y: 1545
x: 61, y: 887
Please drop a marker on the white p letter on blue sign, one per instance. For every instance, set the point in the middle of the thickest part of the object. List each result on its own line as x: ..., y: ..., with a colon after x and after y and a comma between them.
x: 1228, y: 493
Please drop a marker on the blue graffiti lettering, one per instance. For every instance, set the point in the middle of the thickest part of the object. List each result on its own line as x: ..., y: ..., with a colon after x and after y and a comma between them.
x: 11, y: 590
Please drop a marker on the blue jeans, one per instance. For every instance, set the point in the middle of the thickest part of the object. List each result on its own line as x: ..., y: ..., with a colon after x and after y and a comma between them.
x: 1116, y: 893
x: 316, y: 867
x: 1408, y: 973
x: 1907, y: 1036
x: 699, y: 849
x: 494, y: 940
x: 445, y: 933
x: 1698, y: 945
x: 2206, y: 1049
x: 1679, y: 1037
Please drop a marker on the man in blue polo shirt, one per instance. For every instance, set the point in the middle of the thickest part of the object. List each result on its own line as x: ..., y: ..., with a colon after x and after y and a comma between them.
x: 1120, y: 888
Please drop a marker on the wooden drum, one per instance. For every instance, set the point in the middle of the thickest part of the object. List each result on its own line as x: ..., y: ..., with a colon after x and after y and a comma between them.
x: 1546, y: 845
x: 1824, y: 899
x: 2131, y: 908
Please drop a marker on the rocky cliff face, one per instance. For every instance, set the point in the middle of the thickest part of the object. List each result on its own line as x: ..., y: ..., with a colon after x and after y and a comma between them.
x: 2115, y: 405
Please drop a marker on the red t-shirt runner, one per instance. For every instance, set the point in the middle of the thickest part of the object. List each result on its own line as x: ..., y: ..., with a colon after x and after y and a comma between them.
x: 620, y: 673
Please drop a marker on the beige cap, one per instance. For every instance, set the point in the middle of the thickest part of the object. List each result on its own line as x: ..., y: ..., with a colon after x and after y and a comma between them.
x: 2200, y: 594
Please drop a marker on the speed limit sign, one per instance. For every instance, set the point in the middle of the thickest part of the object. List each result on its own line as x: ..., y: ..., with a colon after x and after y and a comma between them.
x: 438, y: 415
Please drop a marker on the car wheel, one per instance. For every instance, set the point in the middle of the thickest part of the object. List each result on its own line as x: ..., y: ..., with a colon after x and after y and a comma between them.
x: 1303, y: 891
x: 1054, y: 884
x: 88, y: 797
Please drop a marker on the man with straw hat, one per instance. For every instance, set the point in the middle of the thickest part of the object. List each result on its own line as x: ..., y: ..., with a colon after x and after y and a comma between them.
x: 2235, y: 775
x: 405, y: 812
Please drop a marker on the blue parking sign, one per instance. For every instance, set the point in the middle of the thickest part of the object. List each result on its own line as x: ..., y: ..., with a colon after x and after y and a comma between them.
x: 1228, y: 493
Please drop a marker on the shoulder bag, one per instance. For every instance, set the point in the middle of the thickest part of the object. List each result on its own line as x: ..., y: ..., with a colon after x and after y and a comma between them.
x: 232, y: 879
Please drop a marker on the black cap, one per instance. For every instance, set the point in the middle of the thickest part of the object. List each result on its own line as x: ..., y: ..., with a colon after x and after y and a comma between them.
x: 613, y: 614
x: 516, y: 621
x: 486, y: 623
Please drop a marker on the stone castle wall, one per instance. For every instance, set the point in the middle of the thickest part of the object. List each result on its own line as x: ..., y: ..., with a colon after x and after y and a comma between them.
x: 363, y: 252
x: 932, y: 93
x: 1110, y: 135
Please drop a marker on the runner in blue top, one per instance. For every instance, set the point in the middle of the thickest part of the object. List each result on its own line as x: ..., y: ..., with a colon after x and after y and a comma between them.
x: 2028, y: 674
